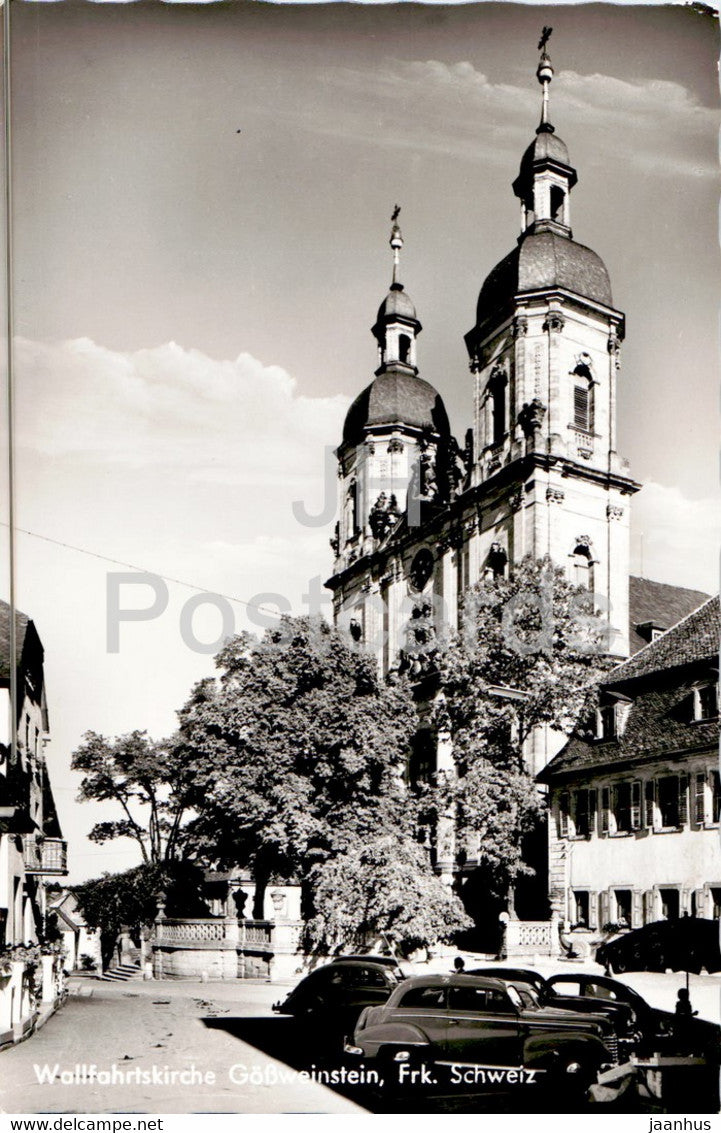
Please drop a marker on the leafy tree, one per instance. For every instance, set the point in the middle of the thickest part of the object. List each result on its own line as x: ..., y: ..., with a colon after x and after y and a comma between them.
x: 130, y: 899
x: 150, y: 785
x: 384, y: 888
x: 298, y: 752
x: 528, y: 653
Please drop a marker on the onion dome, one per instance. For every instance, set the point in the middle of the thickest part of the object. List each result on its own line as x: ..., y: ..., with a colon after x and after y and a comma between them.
x: 396, y: 398
x: 543, y: 261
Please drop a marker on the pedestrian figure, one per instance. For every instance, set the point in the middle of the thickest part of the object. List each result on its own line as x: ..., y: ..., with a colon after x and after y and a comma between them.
x: 682, y: 1021
x: 459, y: 965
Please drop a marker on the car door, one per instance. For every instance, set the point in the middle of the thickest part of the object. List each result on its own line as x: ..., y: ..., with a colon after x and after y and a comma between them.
x: 425, y: 1008
x: 483, y: 1027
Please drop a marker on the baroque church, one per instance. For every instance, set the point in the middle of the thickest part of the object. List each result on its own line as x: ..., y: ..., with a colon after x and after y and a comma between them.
x: 422, y: 517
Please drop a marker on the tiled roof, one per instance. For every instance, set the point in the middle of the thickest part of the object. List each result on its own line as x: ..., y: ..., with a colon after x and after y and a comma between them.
x: 659, y: 603
x: 694, y: 638
x: 660, y: 723
x: 659, y: 679
x: 21, y: 624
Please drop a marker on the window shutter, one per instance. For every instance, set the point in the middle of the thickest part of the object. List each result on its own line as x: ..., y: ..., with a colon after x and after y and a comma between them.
x: 593, y: 909
x: 580, y: 407
x: 603, y: 909
x: 650, y: 793
x: 699, y: 799
x: 648, y: 901
x: 563, y: 815
x: 605, y: 809
x: 592, y: 800
x: 715, y: 796
x: 682, y: 800
x: 636, y: 805
x: 637, y: 907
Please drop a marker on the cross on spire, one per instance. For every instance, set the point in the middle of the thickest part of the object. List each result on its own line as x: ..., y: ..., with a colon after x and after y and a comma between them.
x: 544, y: 74
x: 396, y: 242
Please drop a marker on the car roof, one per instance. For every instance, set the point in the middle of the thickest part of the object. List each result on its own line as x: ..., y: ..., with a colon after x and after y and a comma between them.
x: 502, y: 973
x: 451, y: 979
x: 383, y: 961
x: 602, y: 981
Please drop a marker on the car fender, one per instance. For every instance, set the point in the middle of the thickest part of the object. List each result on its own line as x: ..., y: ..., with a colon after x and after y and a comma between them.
x: 547, y: 1046
x: 384, y: 1034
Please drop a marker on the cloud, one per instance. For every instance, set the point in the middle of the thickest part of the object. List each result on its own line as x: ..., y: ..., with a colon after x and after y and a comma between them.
x: 676, y: 539
x: 455, y: 109
x: 233, y: 422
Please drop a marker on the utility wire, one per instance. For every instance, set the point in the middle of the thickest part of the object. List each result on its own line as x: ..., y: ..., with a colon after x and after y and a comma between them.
x: 142, y: 570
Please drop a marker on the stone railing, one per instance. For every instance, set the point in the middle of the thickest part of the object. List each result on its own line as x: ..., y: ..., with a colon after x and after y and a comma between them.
x: 197, y: 931
x: 224, y: 948
x: 530, y: 938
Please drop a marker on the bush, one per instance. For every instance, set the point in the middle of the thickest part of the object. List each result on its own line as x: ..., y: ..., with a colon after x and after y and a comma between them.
x: 87, y: 963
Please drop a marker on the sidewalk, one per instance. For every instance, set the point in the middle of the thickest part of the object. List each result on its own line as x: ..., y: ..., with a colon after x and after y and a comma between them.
x: 128, y: 1030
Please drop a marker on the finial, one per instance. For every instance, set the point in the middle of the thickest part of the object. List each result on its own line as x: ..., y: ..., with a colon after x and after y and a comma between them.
x: 396, y: 242
x: 544, y: 74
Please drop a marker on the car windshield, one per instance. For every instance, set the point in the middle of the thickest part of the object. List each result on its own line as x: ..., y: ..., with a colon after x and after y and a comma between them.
x: 527, y: 995
x: 515, y: 997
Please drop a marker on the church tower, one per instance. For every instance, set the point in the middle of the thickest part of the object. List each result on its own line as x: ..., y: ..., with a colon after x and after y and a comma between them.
x: 396, y: 438
x: 544, y: 352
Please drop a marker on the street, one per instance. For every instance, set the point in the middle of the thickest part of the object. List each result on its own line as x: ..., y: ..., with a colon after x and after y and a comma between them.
x: 177, y: 1047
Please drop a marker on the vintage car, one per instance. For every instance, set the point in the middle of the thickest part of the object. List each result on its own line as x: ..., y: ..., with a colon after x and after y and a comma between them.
x: 457, y: 1020
x: 658, y: 1029
x: 623, y: 1013
x: 334, y: 996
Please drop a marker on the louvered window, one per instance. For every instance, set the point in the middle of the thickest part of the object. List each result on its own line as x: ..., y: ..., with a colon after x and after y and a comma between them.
x: 582, y: 407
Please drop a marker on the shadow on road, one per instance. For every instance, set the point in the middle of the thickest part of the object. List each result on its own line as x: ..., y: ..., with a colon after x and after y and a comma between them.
x: 284, y: 1039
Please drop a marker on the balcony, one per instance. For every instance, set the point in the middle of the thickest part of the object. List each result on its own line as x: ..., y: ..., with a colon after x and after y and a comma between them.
x: 45, y: 855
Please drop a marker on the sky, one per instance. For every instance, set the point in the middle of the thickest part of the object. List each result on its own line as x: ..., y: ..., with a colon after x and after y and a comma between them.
x: 202, y: 198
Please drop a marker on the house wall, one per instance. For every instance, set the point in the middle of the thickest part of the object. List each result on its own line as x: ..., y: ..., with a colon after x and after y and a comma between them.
x: 647, y: 862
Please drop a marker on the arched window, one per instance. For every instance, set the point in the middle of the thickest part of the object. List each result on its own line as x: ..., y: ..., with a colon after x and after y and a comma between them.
x: 558, y: 204
x: 582, y: 566
x: 404, y: 348
x: 352, y: 513
x: 583, y: 396
x: 497, y: 391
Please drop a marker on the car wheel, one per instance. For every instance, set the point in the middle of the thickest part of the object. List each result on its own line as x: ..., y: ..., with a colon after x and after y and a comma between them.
x: 575, y: 1073
x: 389, y: 1064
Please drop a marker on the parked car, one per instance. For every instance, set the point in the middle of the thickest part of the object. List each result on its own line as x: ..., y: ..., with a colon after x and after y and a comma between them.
x: 463, y: 1020
x: 620, y: 1012
x: 656, y: 1027
x: 334, y: 996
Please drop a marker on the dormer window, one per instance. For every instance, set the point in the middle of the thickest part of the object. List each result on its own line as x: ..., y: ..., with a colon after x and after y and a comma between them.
x: 649, y: 631
x: 705, y: 701
x: 607, y: 723
x: 611, y: 716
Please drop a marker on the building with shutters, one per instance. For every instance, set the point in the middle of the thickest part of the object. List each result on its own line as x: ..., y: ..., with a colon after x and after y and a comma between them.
x: 635, y: 798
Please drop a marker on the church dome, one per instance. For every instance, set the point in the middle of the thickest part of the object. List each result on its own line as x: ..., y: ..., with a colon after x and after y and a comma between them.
x: 397, y: 304
x: 396, y: 397
x: 546, y: 146
x: 543, y: 261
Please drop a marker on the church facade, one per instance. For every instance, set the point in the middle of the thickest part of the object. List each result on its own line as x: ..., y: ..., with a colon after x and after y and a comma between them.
x: 422, y: 518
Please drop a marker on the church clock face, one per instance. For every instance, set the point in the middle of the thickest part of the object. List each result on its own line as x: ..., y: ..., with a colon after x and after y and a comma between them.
x: 421, y: 570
